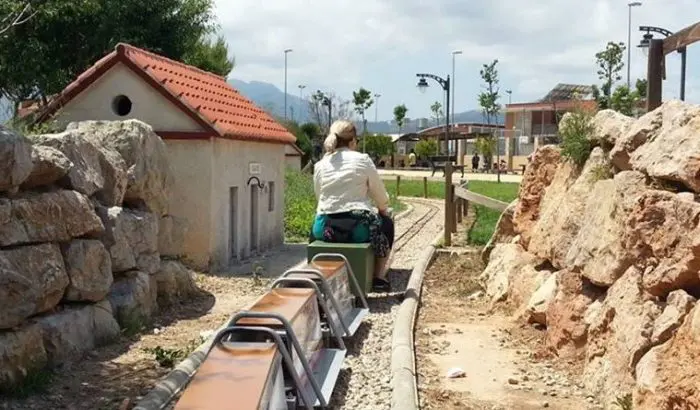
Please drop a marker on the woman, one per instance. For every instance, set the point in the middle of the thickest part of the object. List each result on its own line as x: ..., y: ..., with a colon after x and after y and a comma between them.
x: 346, y: 183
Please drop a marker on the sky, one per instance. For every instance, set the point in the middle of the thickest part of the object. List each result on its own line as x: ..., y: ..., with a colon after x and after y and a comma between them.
x: 342, y: 45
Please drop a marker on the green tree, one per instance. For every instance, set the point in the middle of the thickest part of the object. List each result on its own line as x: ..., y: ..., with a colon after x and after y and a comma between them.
x: 362, y: 100
x: 436, y: 109
x: 624, y: 101
x: 212, y: 56
x: 641, y: 87
x: 485, y: 146
x: 377, y: 146
x: 303, y: 139
x: 64, y: 37
x: 610, y: 64
x: 314, y: 133
x: 488, y: 101
x: 400, y: 115
x: 426, y: 148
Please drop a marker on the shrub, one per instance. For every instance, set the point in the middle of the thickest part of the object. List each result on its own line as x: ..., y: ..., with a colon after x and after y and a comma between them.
x: 575, y: 129
x: 426, y: 148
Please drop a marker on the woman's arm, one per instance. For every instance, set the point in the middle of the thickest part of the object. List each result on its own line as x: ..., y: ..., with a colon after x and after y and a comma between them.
x: 377, y: 191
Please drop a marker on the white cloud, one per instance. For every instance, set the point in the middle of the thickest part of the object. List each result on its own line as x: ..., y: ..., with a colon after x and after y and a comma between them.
x: 341, y: 45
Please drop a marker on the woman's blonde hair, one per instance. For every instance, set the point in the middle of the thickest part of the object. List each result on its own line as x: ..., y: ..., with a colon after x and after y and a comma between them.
x: 341, y: 132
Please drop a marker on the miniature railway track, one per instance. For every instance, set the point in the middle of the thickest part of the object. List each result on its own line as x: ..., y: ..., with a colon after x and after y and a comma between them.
x: 416, y: 227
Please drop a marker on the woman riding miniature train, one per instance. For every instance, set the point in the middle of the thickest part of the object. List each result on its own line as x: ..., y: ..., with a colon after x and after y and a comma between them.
x: 346, y: 182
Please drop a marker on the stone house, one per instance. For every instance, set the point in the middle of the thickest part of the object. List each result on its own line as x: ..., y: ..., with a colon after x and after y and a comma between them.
x: 227, y: 155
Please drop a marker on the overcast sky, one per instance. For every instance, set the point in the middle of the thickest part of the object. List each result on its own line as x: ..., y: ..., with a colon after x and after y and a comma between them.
x: 341, y: 45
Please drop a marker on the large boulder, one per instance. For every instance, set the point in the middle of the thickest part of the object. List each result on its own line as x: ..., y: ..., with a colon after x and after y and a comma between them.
x: 134, y: 298
x: 597, y: 251
x: 131, y: 237
x: 537, y: 306
x: 619, y: 335
x: 22, y: 353
x: 504, y: 232
x: 56, y: 216
x: 663, y: 235
x: 667, y: 376
x: 171, y: 236
x: 562, y: 209
x: 49, y: 165
x: 89, y: 268
x: 175, y: 283
x: 145, y: 154
x: 512, y: 274
x: 15, y: 159
x: 32, y: 280
x: 678, y: 304
x: 539, y: 175
x: 608, y: 126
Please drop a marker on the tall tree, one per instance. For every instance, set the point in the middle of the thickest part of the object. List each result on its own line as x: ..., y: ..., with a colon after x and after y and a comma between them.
x: 436, y: 109
x: 400, y: 115
x: 610, y: 64
x: 211, y: 55
x: 488, y: 101
x: 64, y: 37
x: 318, y: 108
x: 362, y: 100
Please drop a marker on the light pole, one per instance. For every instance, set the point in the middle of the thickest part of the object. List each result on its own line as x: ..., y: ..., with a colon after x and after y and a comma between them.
x: 629, y: 37
x: 454, y: 53
x: 510, y: 94
x: 376, y: 107
x: 445, y: 84
x: 327, y: 102
x: 301, y: 89
x: 287, y: 51
x: 646, y: 41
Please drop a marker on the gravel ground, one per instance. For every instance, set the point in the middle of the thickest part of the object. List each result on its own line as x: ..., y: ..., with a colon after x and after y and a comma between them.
x: 365, y: 379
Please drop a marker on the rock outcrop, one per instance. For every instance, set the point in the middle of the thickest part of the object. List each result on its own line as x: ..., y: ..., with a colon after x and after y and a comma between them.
x: 607, y: 256
x: 80, y: 242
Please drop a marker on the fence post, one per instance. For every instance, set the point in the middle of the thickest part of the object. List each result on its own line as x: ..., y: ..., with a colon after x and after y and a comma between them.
x: 465, y: 208
x: 425, y: 187
x: 460, y: 203
x: 398, y: 186
x: 453, y: 219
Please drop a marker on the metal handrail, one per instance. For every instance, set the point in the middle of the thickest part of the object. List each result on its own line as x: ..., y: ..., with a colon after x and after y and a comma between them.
x: 326, y: 289
x: 324, y: 306
x: 286, y: 357
x: 359, y: 290
x: 295, y: 343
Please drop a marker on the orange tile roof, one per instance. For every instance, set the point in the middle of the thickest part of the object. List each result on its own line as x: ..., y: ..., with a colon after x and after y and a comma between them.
x: 207, y: 98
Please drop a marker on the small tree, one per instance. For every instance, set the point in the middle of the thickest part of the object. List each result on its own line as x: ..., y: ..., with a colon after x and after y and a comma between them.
x: 400, y: 115
x: 378, y: 146
x: 426, y: 148
x: 436, y: 109
x: 485, y: 146
x: 610, y: 64
x: 488, y: 101
x: 575, y: 129
x: 362, y: 99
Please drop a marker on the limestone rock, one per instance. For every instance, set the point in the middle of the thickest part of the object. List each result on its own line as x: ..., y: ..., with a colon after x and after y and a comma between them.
x: 663, y: 235
x: 562, y: 210
x: 21, y: 353
x: 106, y: 327
x: 597, y: 250
x: 15, y: 159
x: 511, y: 274
x: 114, y: 172
x: 619, y: 336
x: 608, y: 126
x: 55, y: 216
x: 145, y: 154
x: 503, y: 233
x: 133, y: 299
x: 175, y: 283
x: 667, y: 377
x: 89, y: 268
x: 537, y: 306
x: 539, y: 175
x: 678, y: 304
x: 567, y: 330
x: 32, y: 280
x: 49, y: 165
x: 132, y: 239
x: 171, y: 236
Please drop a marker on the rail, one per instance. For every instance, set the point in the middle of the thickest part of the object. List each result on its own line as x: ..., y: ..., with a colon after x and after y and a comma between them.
x: 459, y: 206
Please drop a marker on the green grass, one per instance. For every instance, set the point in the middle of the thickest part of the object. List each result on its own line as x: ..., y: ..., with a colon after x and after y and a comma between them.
x: 300, y: 206
x: 486, y: 219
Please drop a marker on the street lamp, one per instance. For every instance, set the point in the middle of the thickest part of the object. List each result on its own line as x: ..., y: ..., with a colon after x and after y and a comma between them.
x: 646, y: 41
x: 287, y: 51
x: 376, y: 106
x: 510, y: 94
x: 445, y: 84
x: 629, y: 36
x: 327, y: 102
x: 454, y: 53
x: 301, y: 89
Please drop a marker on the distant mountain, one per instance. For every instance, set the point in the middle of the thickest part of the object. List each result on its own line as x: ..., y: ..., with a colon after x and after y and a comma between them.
x: 271, y: 99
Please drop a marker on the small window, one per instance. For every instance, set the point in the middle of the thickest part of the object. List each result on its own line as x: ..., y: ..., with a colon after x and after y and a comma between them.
x: 271, y: 197
x: 121, y: 105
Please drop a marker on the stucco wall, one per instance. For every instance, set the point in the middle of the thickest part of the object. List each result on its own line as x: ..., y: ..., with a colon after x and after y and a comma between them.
x: 230, y: 168
x: 293, y: 162
x: 148, y: 105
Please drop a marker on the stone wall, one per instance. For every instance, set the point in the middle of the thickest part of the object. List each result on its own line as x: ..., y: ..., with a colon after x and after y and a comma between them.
x: 87, y: 246
x: 607, y: 257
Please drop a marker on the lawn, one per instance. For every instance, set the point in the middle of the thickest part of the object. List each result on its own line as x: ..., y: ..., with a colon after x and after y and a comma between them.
x: 300, y: 206
x: 486, y: 219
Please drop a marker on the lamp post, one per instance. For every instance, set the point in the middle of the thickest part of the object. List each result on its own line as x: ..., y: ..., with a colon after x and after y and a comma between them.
x: 646, y: 42
x: 376, y: 106
x: 510, y: 94
x: 287, y: 51
x: 445, y: 84
x: 454, y: 53
x: 327, y: 102
x: 629, y: 36
x: 301, y: 89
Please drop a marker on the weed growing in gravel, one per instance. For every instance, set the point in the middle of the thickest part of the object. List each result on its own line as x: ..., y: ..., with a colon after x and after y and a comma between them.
x: 167, y: 357
x: 132, y: 323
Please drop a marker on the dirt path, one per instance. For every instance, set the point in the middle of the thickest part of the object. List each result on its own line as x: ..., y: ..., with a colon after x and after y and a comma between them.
x: 503, y: 367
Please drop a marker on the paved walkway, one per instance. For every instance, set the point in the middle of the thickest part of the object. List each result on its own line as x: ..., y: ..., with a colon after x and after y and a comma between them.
x: 456, y: 176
